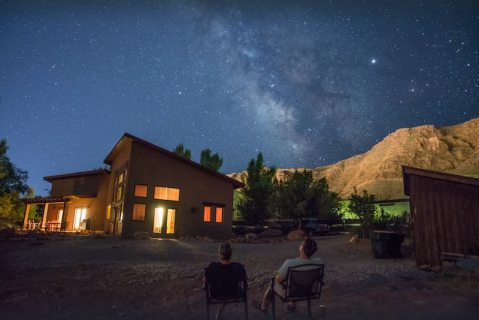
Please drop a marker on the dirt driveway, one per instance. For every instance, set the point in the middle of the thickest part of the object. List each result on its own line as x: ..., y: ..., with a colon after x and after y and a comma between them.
x: 77, y: 277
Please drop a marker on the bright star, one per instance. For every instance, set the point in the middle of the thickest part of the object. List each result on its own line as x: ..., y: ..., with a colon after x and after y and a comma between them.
x: 373, y: 61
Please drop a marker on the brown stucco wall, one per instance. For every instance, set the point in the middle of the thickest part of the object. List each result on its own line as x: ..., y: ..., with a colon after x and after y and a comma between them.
x: 151, y: 168
x: 87, y: 185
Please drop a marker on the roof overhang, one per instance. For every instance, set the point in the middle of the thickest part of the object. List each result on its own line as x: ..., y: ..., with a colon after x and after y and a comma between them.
x: 76, y: 175
x: 409, y: 171
x: 43, y: 200
x: 127, y: 138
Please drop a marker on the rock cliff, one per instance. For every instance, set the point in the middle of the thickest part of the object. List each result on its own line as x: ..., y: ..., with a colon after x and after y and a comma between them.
x: 453, y: 149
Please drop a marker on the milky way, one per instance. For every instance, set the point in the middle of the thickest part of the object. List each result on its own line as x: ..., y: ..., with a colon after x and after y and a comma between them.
x: 308, y: 83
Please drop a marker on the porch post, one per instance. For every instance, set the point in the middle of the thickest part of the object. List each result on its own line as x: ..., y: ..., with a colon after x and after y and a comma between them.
x: 64, y: 217
x: 44, y: 218
x: 25, y: 216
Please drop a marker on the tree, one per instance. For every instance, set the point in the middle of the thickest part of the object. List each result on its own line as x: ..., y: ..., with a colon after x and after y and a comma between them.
x: 213, y: 162
x: 3, y: 151
x: 181, y: 151
x: 300, y: 196
x: 363, y: 207
x: 13, y: 183
x: 254, y: 202
x: 11, y: 178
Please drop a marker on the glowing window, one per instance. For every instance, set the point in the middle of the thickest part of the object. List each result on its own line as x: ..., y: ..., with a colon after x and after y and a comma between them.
x: 219, y: 215
x: 80, y: 214
x: 108, y: 211
x: 158, y: 222
x: 141, y: 191
x: 120, y: 178
x: 138, y: 212
x: 164, y: 193
x: 207, y: 214
x: 119, y: 193
x: 170, y: 221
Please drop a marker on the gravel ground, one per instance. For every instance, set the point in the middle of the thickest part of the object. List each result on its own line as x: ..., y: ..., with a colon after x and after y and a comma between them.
x: 77, y: 277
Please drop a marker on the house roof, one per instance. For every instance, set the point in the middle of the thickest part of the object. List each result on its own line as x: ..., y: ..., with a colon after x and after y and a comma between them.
x: 126, y: 138
x: 408, y: 171
x: 76, y: 175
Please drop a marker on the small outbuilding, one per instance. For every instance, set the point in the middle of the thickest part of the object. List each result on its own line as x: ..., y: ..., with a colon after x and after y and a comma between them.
x: 444, y: 214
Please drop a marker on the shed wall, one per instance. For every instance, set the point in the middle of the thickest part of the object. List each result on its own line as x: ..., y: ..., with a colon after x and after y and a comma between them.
x: 445, y: 218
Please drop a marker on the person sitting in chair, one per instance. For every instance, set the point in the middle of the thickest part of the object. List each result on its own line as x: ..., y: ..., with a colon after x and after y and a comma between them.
x: 224, y: 282
x: 306, y: 250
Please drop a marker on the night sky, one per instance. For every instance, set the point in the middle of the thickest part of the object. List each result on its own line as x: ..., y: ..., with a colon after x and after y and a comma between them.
x: 308, y: 83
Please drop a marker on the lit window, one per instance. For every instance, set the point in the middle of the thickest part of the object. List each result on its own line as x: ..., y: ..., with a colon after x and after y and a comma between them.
x: 108, y: 211
x: 219, y: 215
x: 120, y: 178
x: 164, y: 193
x: 170, y: 221
x: 141, y: 191
x: 119, y: 193
x: 138, y: 212
x: 80, y: 214
x: 158, y: 222
x: 207, y: 214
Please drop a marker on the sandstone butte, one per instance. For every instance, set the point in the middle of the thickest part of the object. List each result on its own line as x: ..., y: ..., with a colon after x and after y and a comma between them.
x: 453, y: 149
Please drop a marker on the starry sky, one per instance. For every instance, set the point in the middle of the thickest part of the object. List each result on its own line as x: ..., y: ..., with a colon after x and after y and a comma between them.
x: 308, y: 83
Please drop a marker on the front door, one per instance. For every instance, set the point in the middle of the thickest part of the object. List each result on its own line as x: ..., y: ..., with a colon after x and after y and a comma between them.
x: 165, y: 221
x: 116, y: 220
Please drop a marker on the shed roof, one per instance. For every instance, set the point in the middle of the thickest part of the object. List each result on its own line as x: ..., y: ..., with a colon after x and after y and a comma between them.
x: 128, y: 138
x: 76, y: 175
x: 408, y: 171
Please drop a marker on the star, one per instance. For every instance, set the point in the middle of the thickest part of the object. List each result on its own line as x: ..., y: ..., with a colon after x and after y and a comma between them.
x: 373, y: 61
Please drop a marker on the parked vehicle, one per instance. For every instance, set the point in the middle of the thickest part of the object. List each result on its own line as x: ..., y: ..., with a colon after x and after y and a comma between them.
x: 312, y: 226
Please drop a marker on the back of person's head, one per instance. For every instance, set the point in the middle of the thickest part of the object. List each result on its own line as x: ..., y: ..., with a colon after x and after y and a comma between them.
x: 309, y: 247
x: 225, y: 251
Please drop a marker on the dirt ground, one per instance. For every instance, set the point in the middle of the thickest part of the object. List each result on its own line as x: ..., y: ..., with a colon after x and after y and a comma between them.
x: 77, y: 277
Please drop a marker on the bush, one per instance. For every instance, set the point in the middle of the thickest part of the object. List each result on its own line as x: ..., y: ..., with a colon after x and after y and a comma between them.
x: 240, y: 230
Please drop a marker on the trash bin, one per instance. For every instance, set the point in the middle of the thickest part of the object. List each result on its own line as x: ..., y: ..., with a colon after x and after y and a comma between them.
x: 386, y: 244
x: 85, y: 224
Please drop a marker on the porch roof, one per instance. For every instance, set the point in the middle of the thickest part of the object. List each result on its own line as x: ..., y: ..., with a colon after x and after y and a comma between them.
x: 45, y: 200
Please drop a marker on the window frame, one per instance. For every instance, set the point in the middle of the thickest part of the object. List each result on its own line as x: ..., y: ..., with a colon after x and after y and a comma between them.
x: 143, y: 185
x: 222, y: 214
x: 179, y: 195
x: 133, y: 210
x: 211, y: 209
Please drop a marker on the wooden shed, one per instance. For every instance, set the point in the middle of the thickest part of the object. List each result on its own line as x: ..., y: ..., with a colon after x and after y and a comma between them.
x: 444, y: 214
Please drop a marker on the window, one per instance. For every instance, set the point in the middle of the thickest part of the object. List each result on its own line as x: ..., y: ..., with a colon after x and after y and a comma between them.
x: 164, y: 193
x: 170, y: 221
x: 158, y: 222
x: 120, y: 178
x: 138, y: 212
x: 219, y: 215
x: 80, y: 213
x: 119, y: 193
x: 141, y: 190
x: 108, y: 211
x: 207, y: 214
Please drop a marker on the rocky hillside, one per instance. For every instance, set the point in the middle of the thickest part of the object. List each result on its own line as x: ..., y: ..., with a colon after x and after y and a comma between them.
x: 453, y: 149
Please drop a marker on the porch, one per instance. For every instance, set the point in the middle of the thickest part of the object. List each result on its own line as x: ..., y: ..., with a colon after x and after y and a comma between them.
x: 53, y: 216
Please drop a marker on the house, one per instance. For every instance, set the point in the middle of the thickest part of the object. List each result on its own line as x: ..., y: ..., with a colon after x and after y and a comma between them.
x: 444, y: 214
x: 148, y: 189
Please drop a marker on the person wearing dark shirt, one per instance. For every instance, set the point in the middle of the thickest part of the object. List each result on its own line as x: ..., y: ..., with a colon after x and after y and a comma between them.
x: 225, y: 276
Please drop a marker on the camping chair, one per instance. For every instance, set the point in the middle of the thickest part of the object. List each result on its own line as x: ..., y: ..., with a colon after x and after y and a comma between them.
x: 226, y: 284
x: 301, y: 284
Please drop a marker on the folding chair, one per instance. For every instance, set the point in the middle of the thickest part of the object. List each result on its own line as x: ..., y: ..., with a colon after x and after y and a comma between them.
x: 226, y: 284
x: 302, y: 282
